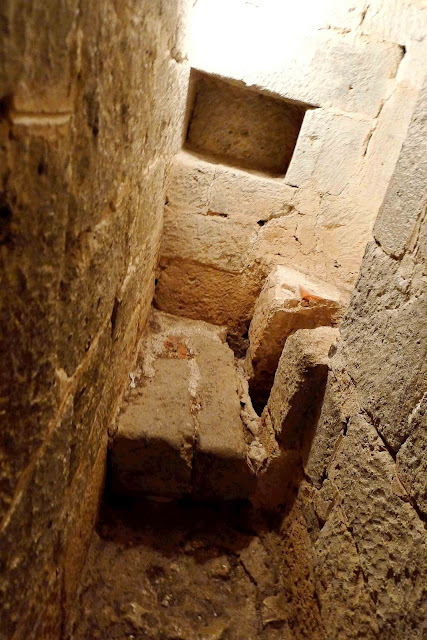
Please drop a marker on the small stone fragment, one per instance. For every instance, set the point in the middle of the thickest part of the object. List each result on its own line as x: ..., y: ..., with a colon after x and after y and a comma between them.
x: 275, y: 609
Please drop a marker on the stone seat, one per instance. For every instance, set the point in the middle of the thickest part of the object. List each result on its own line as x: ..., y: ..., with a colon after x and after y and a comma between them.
x: 180, y: 431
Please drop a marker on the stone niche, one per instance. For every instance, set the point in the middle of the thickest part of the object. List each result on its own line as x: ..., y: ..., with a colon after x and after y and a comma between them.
x: 241, y: 127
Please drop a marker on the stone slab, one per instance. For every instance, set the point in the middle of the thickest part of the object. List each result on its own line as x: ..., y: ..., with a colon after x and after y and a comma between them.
x: 180, y: 430
x: 329, y: 151
x: 299, y: 383
x: 212, y: 240
x: 153, y: 445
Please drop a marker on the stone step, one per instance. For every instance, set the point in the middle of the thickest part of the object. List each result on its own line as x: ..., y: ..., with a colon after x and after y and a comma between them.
x: 180, y: 431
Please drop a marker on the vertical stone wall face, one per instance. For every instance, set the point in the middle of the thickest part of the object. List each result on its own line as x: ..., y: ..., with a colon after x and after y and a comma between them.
x: 92, y: 100
x: 359, y: 65
x: 364, y: 501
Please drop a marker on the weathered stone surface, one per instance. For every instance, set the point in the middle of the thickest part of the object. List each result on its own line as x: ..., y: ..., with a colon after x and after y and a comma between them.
x: 289, y: 301
x: 189, y: 181
x: 299, y: 579
x: 390, y: 130
x: 289, y: 420
x: 180, y: 431
x: 92, y: 107
x: 384, y: 337
x: 338, y: 405
x: 220, y: 465
x: 363, y: 503
x: 297, y: 60
x: 242, y: 127
x: 299, y: 384
x: 80, y: 520
x: 328, y: 55
x: 211, y: 240
x: 330, y: 148
x: 345, y: 603
x: 406, y: 25
x: 278, y: 482
x: 201, y: 292
x: 248, y: 197
x: 153, y: 445
x: 405, y: 200
x: 346, y: 149
x: 30, y: 535
x: 411, y: 460
x: 260, y: 566
x: 387, y: 532
x: 197, y: 186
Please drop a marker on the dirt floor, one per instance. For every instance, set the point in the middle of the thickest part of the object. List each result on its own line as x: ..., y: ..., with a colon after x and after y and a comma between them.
x: 186, y: 571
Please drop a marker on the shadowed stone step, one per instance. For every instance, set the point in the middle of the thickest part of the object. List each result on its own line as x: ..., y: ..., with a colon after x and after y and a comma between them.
x: 180, y: 431
x: 292, y: 412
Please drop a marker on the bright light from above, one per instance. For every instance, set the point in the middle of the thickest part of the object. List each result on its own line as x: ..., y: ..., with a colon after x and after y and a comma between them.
x: 237, y: 37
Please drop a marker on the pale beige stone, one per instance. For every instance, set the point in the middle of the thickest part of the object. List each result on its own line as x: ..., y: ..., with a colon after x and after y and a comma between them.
x: 242, y: 127
x: 405, y: 200
x: 387, y: 531
x: 152, y: 448
x: 189, y: 182
x: 209, y: 240
x: 398, y: 21
x: 202, y: 292
x: 329, y: 150
x: 290, y: 417
x: 318, y: 67
x: 389, y: 132
x: 248, y: 197
x: 289, y: 301
x: 179, y: 431
x: 220, y: 468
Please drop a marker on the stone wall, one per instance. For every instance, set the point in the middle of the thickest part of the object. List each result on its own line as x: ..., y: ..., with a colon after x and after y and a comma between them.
x: 357, y: 67
x: 92, y: 102
x: 363, y: 502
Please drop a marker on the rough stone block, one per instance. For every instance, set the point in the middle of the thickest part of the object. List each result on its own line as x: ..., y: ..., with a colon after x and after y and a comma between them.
x: 188, y: 184
x: 289, y: 301
x: 197, y: 186
x: 290, y: 418
x: 405, y: 201
x: 338, y: 405
x: 387, y: 531
x: 384, y: 146
x: 243, y: 127
x: 201, y: 292
x: 209, y: 240
x: 153, y: 445
x: 299, y: 384
x: 345, y: 602
x: 406, y: 22
x: 411, y: 459
x: 85, y: 139
x: 179, y: 431
x: 220, y: 466
x: 248, y: 197
x: 315, y: 66
x: 384, y: 337
x: 329, y: 151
